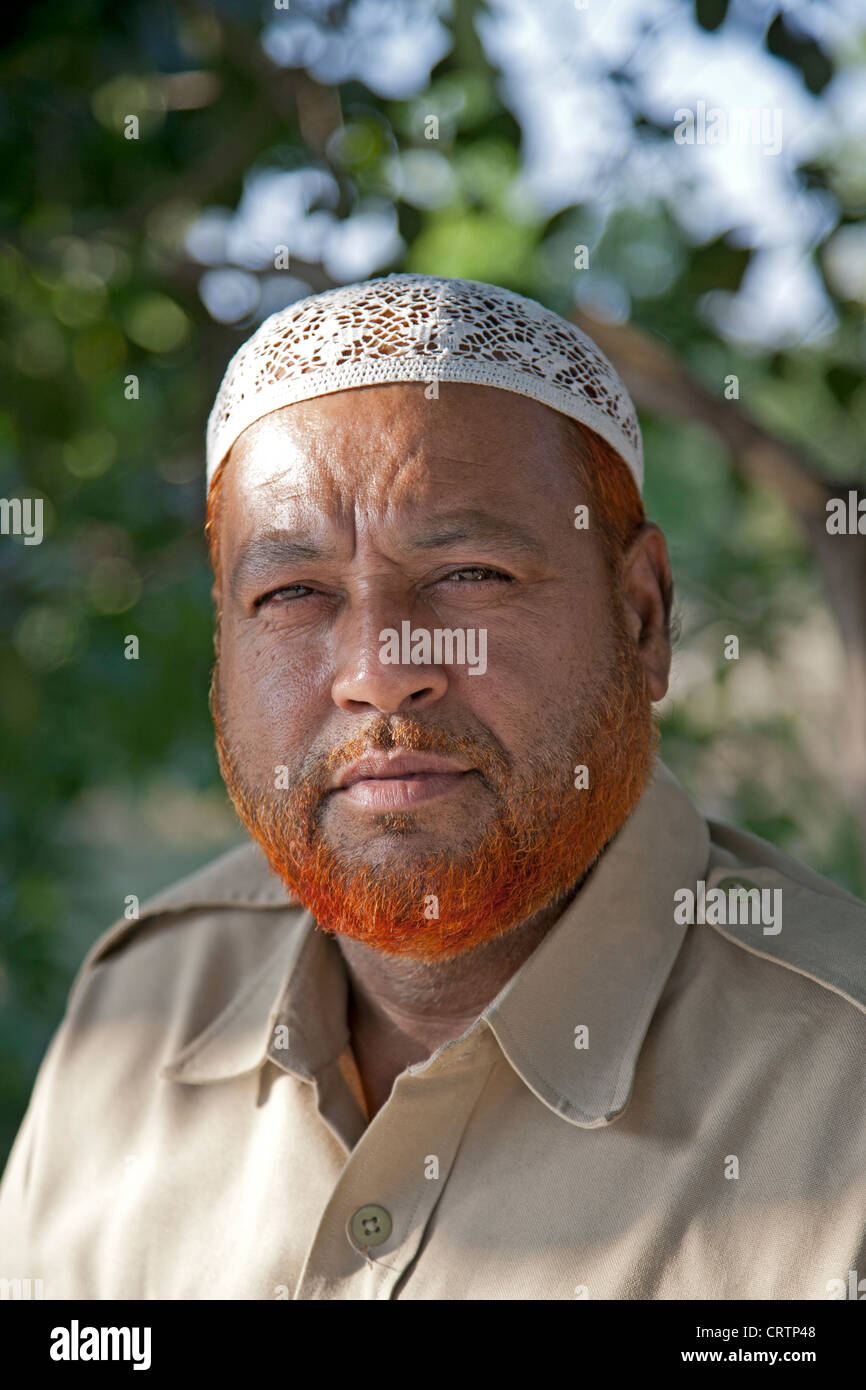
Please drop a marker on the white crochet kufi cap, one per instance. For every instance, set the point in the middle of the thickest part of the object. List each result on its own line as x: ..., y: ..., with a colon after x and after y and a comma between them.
x: 421, y: 328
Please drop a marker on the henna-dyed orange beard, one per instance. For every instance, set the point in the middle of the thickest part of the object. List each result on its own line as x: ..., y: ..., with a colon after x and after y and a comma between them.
x: 542, y: 840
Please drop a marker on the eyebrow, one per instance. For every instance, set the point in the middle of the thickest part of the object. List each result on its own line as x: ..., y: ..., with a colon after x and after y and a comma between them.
x: 260, y: 555
x: 472, y: 524
x: 275, y: 548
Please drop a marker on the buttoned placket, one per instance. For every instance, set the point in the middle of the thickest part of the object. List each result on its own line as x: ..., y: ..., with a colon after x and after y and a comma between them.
x: 399, y: 1166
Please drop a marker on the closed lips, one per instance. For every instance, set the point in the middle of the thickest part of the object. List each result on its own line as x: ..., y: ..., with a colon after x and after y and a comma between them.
x: 404, y: 765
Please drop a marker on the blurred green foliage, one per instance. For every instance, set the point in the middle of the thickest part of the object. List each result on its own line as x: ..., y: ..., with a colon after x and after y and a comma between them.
x: 110, y: 784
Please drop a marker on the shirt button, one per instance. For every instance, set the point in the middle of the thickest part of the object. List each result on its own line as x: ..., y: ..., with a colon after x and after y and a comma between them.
x: 371, y: 1225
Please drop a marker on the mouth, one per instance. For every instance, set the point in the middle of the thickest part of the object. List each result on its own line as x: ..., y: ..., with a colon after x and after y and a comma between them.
x: 400, y: 780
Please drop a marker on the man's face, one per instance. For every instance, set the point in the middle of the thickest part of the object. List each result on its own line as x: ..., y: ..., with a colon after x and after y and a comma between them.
x: 353, y: 514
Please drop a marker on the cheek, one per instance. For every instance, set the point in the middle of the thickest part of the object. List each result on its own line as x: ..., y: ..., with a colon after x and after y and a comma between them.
x: 558, y: 646
x: 274, y: 696
x: 543, y: 664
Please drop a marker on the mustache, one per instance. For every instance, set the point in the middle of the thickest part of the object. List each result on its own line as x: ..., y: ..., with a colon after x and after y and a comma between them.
x: 390, y: 733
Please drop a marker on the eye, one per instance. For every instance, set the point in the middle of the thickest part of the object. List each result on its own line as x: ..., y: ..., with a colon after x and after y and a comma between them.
x: 477, y: 570
x: 286, y: 591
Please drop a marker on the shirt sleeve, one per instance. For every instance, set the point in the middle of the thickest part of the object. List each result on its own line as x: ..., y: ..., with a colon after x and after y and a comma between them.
x: 19, y: 1256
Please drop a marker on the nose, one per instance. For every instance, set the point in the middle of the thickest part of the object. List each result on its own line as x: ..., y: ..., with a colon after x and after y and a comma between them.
x: 365, y: 682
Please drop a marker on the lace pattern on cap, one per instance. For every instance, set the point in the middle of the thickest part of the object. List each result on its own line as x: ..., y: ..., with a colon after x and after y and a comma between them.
x: 422, y: 328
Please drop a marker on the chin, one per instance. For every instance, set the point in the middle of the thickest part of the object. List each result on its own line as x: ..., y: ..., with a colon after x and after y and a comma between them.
x: 397, y: 847
x: 422, y: 832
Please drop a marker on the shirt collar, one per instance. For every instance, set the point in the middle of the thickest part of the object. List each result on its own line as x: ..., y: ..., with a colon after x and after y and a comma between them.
x: 601, y: 968
x: 604, y: 965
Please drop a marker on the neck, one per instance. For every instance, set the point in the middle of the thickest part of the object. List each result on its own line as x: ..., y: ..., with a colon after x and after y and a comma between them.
x: 413, y: 1006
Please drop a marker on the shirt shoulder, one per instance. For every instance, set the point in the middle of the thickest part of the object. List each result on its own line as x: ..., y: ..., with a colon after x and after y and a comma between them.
x: 238, y: 879
x: 763, y: 901
x: 192, y: 952
x: 205, y: 956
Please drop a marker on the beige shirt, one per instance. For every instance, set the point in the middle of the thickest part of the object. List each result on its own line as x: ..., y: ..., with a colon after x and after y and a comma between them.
x: 648, y: 1109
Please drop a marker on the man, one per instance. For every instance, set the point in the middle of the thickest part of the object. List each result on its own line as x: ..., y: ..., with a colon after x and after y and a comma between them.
x: 487, y: 1010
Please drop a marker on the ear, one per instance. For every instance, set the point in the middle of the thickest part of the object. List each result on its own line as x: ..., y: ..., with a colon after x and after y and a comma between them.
x: 647, y: 588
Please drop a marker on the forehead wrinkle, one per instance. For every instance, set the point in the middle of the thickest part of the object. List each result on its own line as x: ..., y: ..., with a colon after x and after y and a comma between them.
x: 370, y: 478
x: 362, y: 490
x: 272, y: 482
